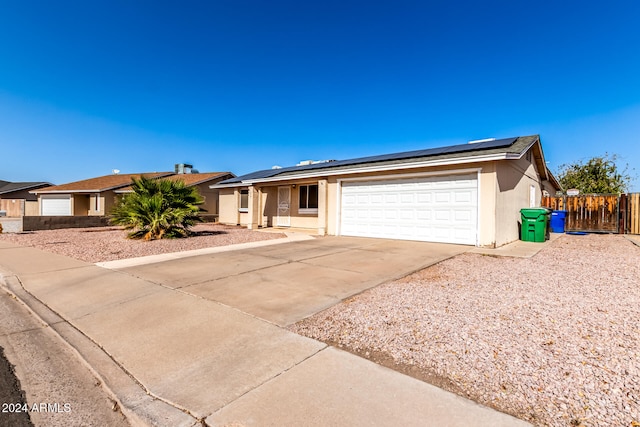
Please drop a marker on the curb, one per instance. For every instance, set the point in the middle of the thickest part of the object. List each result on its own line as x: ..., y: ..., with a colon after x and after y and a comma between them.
x: 153, y: 259
x: 138, y: 406
x: 635, y: 241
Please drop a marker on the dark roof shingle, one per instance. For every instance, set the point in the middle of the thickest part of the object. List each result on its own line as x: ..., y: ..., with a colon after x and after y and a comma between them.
x: 10, y: 187
x: 512, y: 145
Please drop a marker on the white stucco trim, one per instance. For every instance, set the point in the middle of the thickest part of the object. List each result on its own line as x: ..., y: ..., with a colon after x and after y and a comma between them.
x: 66, y: 191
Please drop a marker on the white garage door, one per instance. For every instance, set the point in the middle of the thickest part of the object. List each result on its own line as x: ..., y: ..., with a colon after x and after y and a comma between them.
x: 431, y: 209
x: 56, y: 205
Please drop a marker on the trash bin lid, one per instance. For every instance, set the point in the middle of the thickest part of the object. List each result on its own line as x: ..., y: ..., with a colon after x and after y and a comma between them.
x: 534, y: 212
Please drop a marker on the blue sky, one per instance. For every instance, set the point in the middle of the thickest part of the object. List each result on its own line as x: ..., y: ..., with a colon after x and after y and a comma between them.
x: 87, y: 87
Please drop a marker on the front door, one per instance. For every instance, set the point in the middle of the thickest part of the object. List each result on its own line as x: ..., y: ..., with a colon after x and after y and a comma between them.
x: 284, y: 209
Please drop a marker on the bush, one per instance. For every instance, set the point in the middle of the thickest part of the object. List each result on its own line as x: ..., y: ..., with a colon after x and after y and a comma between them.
x: 158, y: 209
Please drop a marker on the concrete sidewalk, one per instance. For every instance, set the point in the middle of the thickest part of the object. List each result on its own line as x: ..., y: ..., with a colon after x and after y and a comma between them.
x: 175, y: 358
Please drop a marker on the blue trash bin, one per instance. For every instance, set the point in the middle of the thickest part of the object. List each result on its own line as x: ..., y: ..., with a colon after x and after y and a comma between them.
x: 557, y: 221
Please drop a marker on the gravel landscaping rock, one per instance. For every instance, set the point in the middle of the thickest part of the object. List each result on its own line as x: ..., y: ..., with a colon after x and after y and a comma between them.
x: 110, y: 243
x: 553, y: 339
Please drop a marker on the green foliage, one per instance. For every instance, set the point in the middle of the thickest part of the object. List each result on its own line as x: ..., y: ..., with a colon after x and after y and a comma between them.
x: 598, y: 175
x: 157, y: 209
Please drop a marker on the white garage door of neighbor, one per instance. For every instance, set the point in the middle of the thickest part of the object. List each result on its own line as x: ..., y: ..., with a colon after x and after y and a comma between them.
x: 56, y: 205
x: 431, y: 209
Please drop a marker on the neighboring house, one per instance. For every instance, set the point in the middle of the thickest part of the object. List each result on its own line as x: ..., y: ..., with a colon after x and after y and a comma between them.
x: 97, y: 196
x: 89, y: 197
x: 15, y: 199
x: 202, y: 181
x: 468, y: 194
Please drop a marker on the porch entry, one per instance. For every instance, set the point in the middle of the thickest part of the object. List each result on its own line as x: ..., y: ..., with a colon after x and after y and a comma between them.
x: 283, y: 219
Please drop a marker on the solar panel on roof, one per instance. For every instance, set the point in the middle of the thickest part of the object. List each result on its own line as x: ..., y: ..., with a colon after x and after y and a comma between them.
x: 498, y: 143
x: 460, y: 148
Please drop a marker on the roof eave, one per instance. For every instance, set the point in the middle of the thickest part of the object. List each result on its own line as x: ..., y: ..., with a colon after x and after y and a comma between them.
x: 371, y: 168
x: 234, y: 185
x: 26, y: 187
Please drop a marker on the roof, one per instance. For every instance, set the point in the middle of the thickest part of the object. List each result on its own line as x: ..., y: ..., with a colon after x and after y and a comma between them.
x: 10, y: 187
x: 189, y: 179
x: 99, y: 184
x: 506, y: 148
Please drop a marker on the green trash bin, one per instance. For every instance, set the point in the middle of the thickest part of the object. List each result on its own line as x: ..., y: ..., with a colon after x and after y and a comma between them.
x: 534, y: 224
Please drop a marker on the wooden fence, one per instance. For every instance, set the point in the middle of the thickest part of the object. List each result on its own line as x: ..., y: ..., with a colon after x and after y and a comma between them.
x: 630, y: 207
x: 607, y: 213
x: 12, y: 207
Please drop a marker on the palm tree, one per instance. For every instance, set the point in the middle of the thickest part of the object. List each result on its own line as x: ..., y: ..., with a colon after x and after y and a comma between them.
x: 158, y: 208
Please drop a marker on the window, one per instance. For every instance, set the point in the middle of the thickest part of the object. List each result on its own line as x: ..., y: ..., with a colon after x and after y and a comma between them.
x: 244, y: 200
x: 308, y: 199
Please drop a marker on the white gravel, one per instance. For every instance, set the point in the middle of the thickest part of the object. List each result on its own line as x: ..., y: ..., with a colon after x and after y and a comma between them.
x: 554, y: 339
x: 110, y: 243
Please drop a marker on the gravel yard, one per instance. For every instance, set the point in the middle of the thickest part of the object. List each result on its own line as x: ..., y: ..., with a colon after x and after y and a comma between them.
x: 110, y: 243
x: 554, y: 339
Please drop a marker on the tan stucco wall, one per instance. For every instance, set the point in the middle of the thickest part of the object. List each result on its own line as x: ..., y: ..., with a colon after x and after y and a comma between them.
x: 80, y: 204
x: 546, y: 185
x: 269, y: 205
x: 514, y: 180
x: 107, y: 202
x: 228, y: 206
x: 92, y: 204
x: 210, y: 198
x: 31, y: 208
x: 503, y: 191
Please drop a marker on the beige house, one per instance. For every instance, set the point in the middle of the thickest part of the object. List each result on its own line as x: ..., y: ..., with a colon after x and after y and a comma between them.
x: 467, y: 194
x: 203, y: 182
x: 97, y: 196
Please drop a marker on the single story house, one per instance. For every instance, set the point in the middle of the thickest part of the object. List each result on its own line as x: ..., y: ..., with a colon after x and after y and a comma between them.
x: 201, y: 180
x: 467, y: 194
x: 15, y: 199
x: 97, y: 196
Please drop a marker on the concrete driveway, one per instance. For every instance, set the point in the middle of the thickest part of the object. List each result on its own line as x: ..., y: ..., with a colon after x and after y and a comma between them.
x: 287, y: 282
x: 185, y: 340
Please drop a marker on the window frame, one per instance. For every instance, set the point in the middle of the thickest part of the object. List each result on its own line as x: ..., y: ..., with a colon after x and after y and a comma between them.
x: 240, y: 194
x: 305, y: 209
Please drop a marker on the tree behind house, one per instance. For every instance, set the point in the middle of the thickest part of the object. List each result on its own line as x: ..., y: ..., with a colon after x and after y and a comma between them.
x: 157, y: 209
x: 597, y: 176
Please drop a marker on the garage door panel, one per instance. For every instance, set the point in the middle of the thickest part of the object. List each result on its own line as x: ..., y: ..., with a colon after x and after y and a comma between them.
x: 407, y: 214
x: 423, y: 215
x: 443, y: 215
x: 463, y: 216
x: 390, y: 214
x: 424, y: 197
x: 377, y: 199
x: 438, y: 209
x: 463, y: 196
x: 407, y: 198
x: 442, y: 197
